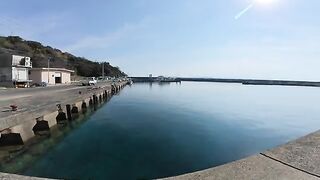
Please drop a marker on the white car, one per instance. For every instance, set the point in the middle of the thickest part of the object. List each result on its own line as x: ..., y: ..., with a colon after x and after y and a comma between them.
x: 92, y: 81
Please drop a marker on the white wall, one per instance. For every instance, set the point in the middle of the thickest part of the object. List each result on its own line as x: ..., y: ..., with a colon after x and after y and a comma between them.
x: 44, y: 77
x: 38, y: 76
x: 20, y: 74
x: 66, y: 77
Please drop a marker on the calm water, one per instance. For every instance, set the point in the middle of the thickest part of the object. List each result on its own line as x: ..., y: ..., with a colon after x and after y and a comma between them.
x: 153, y: 130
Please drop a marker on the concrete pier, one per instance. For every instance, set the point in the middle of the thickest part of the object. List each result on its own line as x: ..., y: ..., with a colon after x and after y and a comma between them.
x: 48, y: 103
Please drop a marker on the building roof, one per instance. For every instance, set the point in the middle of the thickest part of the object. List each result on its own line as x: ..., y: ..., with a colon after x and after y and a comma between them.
x: 52, y: 69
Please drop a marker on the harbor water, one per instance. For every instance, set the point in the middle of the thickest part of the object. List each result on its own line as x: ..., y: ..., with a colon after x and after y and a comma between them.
x: 154, y: 130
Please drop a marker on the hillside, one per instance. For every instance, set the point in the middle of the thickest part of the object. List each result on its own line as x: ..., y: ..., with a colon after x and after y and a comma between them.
x: 40, y: 54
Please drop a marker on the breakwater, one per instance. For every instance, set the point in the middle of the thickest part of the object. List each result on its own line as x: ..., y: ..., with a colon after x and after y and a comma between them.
x: 223, y: 80
x: 154, y: 79
x: 255, y: 81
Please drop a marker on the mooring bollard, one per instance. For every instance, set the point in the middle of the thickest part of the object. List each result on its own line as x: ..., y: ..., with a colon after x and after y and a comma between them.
x: 84, y: 106
x: 68, y: 107
x: 61, y: 117
x: 90, y: 102
x: 113, y: 89
x: 41, y: 127
x: 94, y: 99
x: 74, y: 109
x: 74, y: 112
x: 100, y: 98
x: 95, y: 102
x: 105, y: 94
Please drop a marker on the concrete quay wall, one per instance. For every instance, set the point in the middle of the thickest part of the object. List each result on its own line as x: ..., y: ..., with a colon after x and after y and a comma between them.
x: 38, y: 114
x: 49, y: 105
x: 296, y: 160
x: 6, y: 176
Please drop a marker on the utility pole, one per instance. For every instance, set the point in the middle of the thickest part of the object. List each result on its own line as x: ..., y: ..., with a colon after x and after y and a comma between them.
x: 103, y: 70
x: 49, y: 69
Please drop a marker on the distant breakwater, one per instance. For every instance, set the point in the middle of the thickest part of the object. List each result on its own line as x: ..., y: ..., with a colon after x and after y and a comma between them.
x: 242, y: 81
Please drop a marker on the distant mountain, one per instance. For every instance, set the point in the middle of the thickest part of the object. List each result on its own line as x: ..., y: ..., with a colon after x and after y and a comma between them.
x: 39, y: 55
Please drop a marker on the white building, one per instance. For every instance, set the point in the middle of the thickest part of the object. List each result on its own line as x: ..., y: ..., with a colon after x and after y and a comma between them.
x: 14, y: 70
x: 50, y: 76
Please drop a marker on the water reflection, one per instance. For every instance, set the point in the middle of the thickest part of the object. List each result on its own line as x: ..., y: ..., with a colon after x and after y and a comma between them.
x: 44, y: 139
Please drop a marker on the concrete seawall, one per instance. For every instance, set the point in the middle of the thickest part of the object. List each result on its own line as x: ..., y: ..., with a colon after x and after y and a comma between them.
x: 6, y: 176
x: 299, y: 159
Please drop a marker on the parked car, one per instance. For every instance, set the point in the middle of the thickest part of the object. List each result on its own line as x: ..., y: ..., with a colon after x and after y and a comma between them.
x: 92, y: 81
x: 89, y: 81
x: 42, y: 84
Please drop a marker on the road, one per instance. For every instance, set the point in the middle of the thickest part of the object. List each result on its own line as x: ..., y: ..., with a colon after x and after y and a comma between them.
x: 10, y: 94
x: 33, y: 98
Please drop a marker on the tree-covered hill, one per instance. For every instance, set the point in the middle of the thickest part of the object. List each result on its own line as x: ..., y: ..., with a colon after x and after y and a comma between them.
x: 39, y: 55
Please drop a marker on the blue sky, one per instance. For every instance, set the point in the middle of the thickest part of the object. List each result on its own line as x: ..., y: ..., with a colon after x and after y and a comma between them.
x: 191, y: 38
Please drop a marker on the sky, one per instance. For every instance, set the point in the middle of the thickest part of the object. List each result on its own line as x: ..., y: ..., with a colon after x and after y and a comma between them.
x: 186, y: 38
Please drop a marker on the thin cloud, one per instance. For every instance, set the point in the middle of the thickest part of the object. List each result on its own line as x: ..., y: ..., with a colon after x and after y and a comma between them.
x: 30, y: 28
x: 106, y: 40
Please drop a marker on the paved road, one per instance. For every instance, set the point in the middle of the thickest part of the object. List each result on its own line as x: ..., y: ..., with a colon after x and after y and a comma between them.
x: 32, y: 98
x: 9, y: 94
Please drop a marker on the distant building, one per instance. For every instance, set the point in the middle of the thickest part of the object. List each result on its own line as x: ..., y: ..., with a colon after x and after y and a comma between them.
x: 56, y: 75
x: 14, y: 70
